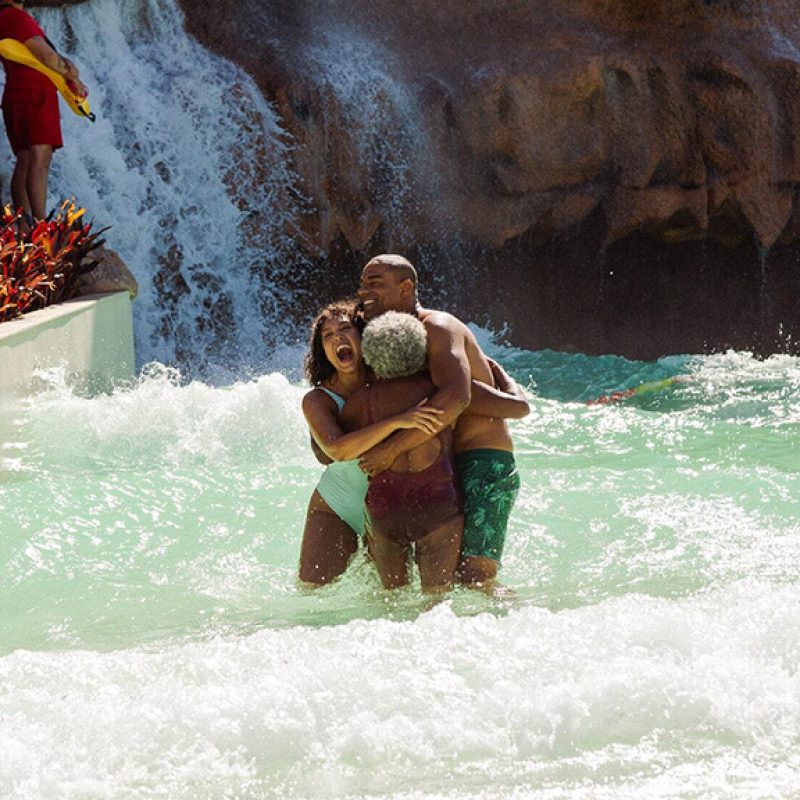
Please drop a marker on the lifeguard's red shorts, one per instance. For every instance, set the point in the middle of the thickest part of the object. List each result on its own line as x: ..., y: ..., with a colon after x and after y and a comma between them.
x: 32, y: 117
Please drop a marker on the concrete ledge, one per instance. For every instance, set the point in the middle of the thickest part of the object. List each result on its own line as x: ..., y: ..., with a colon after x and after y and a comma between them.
x: 90, y: 338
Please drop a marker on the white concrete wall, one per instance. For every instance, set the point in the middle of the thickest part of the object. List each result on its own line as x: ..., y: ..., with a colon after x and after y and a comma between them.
x: 90, y: 339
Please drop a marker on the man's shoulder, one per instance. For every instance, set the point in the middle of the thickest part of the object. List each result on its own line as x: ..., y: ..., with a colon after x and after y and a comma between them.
x: 442, y: 320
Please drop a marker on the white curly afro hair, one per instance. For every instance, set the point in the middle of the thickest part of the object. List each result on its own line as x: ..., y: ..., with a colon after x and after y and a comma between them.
x: 395, y: 345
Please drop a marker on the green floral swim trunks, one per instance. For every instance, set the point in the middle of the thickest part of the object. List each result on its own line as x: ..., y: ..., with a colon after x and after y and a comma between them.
x: 489, y: 484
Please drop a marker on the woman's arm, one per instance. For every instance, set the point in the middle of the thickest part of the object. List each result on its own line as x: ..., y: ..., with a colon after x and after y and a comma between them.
x: 323, y: 421
x: 319, y: 453
x: 506, y: 401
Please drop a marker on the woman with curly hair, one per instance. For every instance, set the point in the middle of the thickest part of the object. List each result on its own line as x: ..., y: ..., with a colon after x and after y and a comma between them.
x: 335, y: 369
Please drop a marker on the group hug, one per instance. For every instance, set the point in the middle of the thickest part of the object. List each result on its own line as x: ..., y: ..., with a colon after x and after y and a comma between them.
x: 410, y: 418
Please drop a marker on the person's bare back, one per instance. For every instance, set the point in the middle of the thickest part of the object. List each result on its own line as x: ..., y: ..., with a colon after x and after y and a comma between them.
x: 383, y: 399
x: 473, y: 430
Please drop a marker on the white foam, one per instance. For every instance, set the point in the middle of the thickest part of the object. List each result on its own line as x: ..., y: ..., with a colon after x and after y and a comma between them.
x: 632, y: 695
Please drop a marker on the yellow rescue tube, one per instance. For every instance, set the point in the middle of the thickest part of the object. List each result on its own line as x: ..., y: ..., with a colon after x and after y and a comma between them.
x: 16, y: 51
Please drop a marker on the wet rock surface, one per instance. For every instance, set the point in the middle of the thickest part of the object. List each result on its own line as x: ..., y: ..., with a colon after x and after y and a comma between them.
x: 602, y: 175
x: 111, y: 274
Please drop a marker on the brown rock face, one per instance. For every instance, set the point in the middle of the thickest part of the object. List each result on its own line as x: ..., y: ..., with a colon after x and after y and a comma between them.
x: 52, y: 3
x: 620, y: 175
x: 110, y: 275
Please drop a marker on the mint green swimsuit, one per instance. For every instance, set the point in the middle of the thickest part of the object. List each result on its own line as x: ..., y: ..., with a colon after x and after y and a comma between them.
x: 343, y: 486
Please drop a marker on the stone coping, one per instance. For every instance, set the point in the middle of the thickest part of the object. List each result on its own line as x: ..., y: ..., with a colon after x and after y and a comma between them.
x: 89, y: 338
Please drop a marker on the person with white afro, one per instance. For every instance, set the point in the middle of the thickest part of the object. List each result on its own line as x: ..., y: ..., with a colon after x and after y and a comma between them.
x: 415, y: 504
x: 395, y: 345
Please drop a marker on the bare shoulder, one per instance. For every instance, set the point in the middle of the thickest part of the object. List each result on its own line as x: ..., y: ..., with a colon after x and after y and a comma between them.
x: 442, y: 321
x: 317, y: 400
x: 311, y: 398
x: 443, y: 328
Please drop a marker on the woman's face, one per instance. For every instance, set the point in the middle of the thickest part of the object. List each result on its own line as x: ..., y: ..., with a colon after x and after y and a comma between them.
x: 341, y: 342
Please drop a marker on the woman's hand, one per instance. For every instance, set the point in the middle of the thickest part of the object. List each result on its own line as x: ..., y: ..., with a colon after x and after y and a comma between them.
x: 424, y: 418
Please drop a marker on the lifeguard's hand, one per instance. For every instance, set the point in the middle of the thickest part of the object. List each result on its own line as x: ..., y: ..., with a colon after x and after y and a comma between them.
x: 377, y: 459
x: 71, y: 71
x: 78, y: 88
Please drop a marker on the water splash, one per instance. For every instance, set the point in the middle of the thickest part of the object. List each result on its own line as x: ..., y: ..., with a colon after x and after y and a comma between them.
x: 189, y: 165
x: 153, y: 643
x: 367, y: 100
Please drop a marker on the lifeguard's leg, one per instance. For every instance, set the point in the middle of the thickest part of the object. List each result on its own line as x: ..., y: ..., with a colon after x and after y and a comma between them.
x: 19, y: 182
x: 36, y: 184
x: 437, y: 556
x: 328, y: 544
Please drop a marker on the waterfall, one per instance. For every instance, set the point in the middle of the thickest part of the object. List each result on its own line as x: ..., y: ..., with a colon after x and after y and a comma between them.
x: 376, y: 111
x: 187, y: 165
x: 369, y: 102
x: 190, y: 168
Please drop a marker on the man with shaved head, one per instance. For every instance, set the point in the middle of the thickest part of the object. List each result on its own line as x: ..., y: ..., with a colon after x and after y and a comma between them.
x: 483, y: 447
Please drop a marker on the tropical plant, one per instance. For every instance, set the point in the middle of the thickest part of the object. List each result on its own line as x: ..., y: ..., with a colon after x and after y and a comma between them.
x: 40, y: 266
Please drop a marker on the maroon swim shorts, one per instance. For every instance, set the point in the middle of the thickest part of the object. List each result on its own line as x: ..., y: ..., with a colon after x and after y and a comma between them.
x: 32, y: 117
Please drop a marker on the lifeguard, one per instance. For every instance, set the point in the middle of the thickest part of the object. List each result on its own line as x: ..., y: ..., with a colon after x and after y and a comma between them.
x: 30, y: 109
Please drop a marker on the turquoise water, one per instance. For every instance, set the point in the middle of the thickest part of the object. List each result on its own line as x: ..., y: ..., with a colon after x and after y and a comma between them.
x: 153, y: 642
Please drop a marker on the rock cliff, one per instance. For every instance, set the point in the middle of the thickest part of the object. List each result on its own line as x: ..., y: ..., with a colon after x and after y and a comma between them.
x: 603, y: 175
x: 619, y: 174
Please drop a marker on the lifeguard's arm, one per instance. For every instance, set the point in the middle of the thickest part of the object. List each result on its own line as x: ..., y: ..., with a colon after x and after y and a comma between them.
x: 449, y: 370
x: 63, y: 66
x: 506, y: 400
x: 50, y: 58
x: 340, y: 446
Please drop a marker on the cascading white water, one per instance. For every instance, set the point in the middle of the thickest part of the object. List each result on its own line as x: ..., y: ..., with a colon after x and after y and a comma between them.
x: 378, y: 111
x: 187, y: 164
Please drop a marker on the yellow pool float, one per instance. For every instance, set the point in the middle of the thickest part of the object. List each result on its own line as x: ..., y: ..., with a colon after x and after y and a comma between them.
x: 16, y: 51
